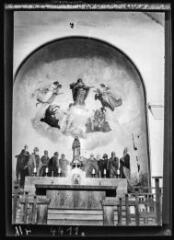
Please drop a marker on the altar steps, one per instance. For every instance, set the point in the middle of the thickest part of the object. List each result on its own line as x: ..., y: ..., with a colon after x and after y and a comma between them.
x: 83, y: 217
x: 75, y: 217
x: 93, y: 217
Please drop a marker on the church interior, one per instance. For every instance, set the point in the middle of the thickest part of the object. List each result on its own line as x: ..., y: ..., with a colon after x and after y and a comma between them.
x: 88, y: 120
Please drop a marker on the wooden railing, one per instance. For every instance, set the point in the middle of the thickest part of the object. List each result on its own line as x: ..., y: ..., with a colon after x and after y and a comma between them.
x: 141, y: 208
x: 138, y: 208
x: 29, y: 209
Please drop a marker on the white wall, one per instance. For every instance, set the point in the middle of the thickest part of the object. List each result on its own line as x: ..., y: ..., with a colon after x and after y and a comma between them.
x: 137, y: 35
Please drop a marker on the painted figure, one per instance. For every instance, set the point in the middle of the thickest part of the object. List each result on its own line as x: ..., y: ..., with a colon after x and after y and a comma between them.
x: 43, y: 163
x: 79, y: 91
x: 63, y: 165
x: 113, y: 165
x: 51, y: 116
x: 125, y: 165
x: 53, y: 165
x: 22, y: 165
x: 103, y: 166
x: 107, y: 98
x: 34, y: 162
x: 91, y: 167
x: 98, y: 123
x: 47, y: 94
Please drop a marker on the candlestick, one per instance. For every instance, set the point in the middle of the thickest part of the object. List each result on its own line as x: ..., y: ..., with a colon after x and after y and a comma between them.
x: 118, y: 173
x: 104, y: 172
x: 59, y: 171
x: 35, y: 171
x: 93, y: 172
x: 46, y: 171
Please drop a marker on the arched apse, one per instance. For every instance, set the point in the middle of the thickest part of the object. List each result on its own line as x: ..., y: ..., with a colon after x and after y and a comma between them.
x: 95, y: 62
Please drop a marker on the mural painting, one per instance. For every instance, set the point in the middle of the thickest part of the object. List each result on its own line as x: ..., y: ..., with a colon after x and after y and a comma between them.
x: 83, y: 89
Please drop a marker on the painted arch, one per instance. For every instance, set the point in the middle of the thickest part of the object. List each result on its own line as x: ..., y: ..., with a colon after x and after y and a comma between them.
x: 95, y: 62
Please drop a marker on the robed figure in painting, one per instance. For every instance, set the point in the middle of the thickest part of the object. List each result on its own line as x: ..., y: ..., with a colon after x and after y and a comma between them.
x: 125, y: 165
x: 113, y: 165
x: 63, y: 165
x: 79, y: 91
x: 43, y: 163
x: 91, y: 167
x: 22, y: 165
x: 103, y: 166
x: 107, y: 98
x: 53, y: 165
x: 34, y: 162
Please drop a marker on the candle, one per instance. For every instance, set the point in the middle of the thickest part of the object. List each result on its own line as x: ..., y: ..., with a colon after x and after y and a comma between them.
x: 104, y: 171
x: 46, y: 170
x: 59, y: 170
x: 118, y: 172
x: 93, y: 173
x: 118, y: 164
x: 35, y: 170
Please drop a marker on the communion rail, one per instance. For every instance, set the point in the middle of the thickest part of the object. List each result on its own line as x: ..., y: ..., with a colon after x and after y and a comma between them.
x: 135, y: 209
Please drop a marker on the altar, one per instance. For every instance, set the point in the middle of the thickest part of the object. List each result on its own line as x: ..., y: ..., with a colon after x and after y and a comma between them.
x: 43, y: 185
x: 88, y: 202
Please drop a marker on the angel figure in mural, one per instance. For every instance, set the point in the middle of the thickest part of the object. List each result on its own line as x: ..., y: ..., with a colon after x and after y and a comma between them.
x: 51, y: 116
x: 47, y: 94
x: 107, y: 98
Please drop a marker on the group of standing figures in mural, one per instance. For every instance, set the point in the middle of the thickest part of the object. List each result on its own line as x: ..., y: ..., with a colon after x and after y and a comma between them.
x: 29, y: 164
